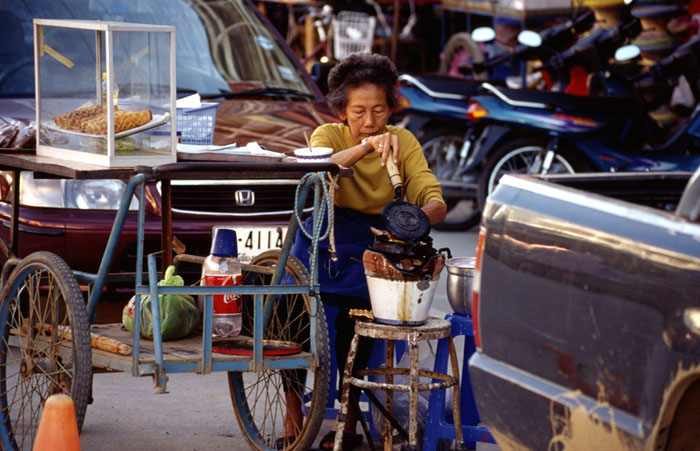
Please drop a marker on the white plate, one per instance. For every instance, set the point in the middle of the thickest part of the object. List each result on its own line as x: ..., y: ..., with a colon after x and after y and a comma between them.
x: 158, y: 119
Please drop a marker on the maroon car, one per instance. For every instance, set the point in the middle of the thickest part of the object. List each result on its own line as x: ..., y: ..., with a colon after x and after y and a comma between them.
x: 227, y: 52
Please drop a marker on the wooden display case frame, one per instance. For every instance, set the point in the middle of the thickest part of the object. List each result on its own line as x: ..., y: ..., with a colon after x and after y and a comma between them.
x: 104, y: 33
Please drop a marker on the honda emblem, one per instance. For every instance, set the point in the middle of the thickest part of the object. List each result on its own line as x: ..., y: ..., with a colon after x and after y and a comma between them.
x: 245, y: 198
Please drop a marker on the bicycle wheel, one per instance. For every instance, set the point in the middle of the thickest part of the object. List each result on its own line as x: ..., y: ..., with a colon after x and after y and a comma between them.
x: 260, y: 398
x: 44, y: 347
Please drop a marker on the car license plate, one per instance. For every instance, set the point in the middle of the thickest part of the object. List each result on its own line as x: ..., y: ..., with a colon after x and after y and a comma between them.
x: 253, y: 241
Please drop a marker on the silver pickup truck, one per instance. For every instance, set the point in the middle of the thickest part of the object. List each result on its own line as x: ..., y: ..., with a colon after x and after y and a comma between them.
x: 586, y: 311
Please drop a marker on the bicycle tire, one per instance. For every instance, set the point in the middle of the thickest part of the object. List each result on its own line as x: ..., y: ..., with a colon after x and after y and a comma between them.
x: 41, y: 302
x: 259, y: 398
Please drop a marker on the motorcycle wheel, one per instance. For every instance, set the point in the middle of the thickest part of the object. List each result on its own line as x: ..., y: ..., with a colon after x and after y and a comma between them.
x: 461, y: 50
x: 441, y: 148
x: 523, y: 156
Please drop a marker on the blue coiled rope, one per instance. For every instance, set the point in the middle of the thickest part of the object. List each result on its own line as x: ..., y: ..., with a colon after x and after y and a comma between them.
x: 325, y: 208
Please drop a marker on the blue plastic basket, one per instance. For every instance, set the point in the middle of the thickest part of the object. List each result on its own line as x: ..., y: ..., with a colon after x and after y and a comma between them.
x: 195, y: 125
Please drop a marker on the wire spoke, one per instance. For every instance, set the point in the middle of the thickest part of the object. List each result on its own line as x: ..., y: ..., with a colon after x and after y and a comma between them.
x: 262, y: 405
x: 36, y: 362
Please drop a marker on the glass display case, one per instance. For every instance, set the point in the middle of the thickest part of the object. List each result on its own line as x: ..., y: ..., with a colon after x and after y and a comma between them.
x: 102, y: 91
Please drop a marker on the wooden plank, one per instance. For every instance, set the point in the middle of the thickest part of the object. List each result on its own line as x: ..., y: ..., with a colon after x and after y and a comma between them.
x: 62, y: 168
x: 216, y: 170
x: 96, y: 341
x: 186, y: 350
x: 184, y: 170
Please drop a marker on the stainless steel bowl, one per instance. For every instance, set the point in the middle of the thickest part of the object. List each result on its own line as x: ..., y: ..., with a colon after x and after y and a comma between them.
x: 460, y: 276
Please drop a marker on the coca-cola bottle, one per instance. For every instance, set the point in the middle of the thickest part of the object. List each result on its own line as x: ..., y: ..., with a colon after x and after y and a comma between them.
x: 222, y: 268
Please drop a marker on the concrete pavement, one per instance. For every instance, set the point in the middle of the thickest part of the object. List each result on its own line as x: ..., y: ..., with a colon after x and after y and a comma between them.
x: 197, y: 413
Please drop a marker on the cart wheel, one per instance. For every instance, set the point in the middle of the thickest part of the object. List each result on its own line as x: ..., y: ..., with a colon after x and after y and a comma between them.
x: 260, y: 398
x: 44, y: 347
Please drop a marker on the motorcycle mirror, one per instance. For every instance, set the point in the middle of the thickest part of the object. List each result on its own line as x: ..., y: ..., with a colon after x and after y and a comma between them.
x: 627, y: 53
x: 529, y: 38
x: 483, y: 34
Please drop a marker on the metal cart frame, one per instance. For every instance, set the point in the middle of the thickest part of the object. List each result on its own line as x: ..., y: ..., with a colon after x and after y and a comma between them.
x: 23, y: 277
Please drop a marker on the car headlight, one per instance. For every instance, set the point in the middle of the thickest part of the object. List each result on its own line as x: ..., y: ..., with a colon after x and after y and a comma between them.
x: 81, y: 194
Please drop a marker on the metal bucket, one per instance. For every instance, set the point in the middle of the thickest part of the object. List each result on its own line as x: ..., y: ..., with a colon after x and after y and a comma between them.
x: 460, y: 276
x: 398, y: 301
x: 399, y: 298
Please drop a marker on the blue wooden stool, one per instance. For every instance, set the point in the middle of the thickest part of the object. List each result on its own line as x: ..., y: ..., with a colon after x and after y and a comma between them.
x: 440, y: 424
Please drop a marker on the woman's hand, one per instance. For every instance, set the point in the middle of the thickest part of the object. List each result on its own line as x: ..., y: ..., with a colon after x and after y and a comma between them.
x: 384, y: 144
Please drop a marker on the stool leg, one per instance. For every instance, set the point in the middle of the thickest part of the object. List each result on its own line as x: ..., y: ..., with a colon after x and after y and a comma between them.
x: 389, y: 379
x: 345, y: 399
x: 413, y: 390
x: 456, y: 412
x: 436, y: 409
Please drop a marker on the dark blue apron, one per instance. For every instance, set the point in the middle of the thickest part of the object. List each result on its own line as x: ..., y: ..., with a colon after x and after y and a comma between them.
x: 353, y: 236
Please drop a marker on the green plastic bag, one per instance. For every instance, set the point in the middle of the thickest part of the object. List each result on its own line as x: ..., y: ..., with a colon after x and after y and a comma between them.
x: 178, y: 312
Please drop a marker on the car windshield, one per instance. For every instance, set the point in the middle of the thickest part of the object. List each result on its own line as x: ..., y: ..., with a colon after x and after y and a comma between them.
x: 222, y: 46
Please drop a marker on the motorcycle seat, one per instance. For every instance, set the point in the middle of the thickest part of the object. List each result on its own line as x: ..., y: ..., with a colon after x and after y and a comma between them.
x: 573, y: 103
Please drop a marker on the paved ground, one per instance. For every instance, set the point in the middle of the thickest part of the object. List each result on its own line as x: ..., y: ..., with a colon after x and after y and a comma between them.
x: 197, y: 413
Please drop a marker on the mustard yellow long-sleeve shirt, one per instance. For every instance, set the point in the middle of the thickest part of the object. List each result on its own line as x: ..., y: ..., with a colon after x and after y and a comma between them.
x: 369, y: 190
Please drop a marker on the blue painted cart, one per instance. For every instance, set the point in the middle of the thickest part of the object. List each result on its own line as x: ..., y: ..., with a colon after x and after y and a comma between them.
x: 46, y: 334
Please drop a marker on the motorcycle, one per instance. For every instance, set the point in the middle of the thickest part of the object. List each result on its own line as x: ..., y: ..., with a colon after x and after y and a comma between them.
x: 434, y: 108
x: 527, y: 131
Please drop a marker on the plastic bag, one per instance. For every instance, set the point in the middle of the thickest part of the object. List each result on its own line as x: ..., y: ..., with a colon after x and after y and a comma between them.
x: 178, y: 312
x: 401, y: 400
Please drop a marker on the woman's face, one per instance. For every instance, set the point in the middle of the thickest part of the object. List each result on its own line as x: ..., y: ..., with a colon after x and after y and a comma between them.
x: 366, y: 112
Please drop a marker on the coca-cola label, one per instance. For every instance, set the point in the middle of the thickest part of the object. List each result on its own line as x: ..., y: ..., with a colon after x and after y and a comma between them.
x: 224, y: 303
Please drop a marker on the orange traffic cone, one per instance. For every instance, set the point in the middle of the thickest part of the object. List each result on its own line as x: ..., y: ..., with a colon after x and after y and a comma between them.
x: 58, y: 428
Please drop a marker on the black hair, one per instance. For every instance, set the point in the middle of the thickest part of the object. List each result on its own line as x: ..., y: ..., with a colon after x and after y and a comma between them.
x: 361, y: 69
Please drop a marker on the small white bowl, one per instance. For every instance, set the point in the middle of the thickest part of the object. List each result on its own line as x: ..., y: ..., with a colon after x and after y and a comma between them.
x: 316, y: 155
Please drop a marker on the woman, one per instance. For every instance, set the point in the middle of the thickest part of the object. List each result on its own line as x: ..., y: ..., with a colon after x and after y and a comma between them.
x: 362, y: 93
